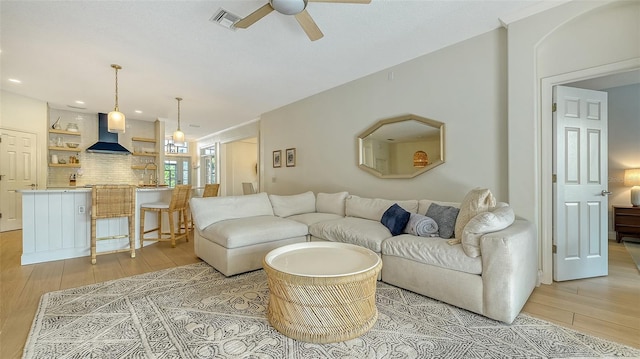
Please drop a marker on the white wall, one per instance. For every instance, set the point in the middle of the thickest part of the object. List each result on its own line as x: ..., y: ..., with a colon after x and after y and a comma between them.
x: 463, y: 86
x: 576, y: 36
x: 241, y: 159
x: 624, y: 143
x: 244, y: 131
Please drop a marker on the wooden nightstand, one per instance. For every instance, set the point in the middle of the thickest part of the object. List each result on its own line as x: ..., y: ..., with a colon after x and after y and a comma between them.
x: 626, y: 221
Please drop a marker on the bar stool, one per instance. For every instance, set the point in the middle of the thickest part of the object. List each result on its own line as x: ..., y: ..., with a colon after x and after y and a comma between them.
x: 178, y: 205
x: 112, y: 201
x: 211, y: 190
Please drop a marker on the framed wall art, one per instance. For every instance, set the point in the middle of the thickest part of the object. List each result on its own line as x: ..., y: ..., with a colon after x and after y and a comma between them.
x: 277, y: 158
x: 290, y: 157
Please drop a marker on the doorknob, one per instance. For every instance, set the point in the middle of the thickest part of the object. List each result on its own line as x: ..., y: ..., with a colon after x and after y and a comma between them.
x: 605, y: 193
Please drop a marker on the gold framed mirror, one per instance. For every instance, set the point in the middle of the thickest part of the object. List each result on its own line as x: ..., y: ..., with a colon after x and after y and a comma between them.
x: 401, y: 147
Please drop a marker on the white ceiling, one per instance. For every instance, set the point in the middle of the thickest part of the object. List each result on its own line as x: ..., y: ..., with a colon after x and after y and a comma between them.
x: 62, y: 51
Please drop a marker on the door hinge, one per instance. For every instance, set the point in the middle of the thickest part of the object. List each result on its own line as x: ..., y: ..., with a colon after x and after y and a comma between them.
x: 554, y: 107
x: 554, y: 248
x: 554, y: 178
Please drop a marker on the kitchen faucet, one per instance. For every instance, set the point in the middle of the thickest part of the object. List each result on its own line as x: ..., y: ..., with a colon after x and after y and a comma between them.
x: 150, y: 176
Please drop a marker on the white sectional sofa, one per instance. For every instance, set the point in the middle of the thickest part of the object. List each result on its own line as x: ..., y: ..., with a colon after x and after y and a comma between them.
x: 492, y: 272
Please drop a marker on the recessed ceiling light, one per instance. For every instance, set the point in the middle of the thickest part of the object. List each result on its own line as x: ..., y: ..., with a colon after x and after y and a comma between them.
x: 80, y: 102
x: 138, y: 111
x: 15, y: 81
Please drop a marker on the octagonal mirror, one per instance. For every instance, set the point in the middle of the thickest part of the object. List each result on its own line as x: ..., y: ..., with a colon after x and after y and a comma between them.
x: 401, y: 147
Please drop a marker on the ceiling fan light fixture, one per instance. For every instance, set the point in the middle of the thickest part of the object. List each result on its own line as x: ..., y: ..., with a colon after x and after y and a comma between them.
x: 289, y: 7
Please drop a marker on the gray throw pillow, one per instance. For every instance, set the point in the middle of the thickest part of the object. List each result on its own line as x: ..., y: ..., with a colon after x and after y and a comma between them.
x: 445, y: 217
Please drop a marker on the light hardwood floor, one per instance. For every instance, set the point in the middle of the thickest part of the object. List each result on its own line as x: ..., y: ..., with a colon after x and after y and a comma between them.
x: 606, y: 306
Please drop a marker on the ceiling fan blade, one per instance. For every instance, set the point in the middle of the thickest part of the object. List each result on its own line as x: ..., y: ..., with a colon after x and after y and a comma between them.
x: 309, y: 26
x: 254, y: 16
x: 343, y: 1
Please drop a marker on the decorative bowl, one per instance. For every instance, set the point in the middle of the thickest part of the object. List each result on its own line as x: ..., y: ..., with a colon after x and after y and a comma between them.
x: 72, y: 127
x: 73, y: 144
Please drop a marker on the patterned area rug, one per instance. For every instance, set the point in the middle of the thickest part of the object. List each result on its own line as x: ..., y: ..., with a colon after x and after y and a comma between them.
x: 195, y: 312
x: 634, y: 250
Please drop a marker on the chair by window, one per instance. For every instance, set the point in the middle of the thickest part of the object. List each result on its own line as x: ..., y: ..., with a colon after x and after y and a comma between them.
x: 247, y: 188
x: 211, y: 190
x: 177, y: 208
x: 112, y: 201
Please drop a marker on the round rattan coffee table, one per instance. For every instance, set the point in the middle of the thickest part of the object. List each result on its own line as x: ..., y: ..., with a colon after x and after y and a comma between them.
x: 322, y: 292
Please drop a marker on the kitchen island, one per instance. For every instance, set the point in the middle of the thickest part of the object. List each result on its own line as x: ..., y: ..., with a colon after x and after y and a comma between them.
x: 56, y: 223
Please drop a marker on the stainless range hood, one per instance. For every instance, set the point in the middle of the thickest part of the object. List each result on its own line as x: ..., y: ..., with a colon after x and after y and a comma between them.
x: 107, y: 141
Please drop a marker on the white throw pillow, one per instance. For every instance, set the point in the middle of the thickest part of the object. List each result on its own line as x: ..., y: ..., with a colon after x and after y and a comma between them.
x: 331, y: 203
x: 497, y: 218
x: 478, y: 200
x: 285, y: 206
x: 374, y: 208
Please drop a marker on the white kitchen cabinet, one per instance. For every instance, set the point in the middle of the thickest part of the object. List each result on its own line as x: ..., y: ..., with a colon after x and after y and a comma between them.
x: 57, y: 224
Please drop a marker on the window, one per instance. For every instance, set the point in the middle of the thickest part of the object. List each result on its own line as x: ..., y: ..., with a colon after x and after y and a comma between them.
x: 170, y: 147
x: 208, y: 164
x: 177, y: 171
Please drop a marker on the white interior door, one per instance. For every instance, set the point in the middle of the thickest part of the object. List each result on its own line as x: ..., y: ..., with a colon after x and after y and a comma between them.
x: 580, y: 189
x: 17, y: 171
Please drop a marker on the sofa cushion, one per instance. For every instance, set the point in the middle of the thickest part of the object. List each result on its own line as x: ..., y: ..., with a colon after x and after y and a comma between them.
x: 478, y: 200
x: 374, y: 208
x: 285, y: 206
x: 495, y: 219
x: 433, y: 251
x: 241, y: 232
x: 445, y: 217
x: 359, y: 231
x: 331, y: 202
x: 209, y: 210
x: 395, y: 218
x: 311, y: 218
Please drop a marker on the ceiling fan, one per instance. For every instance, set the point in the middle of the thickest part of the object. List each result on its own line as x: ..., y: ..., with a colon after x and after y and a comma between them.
x: 292, y: 7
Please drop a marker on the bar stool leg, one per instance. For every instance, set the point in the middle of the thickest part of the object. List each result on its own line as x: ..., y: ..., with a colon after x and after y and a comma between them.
x: 142, y: 212
x: 93, y: 241
x: 187, y: 224
x: 132, y: 238
x: 172, y: 229
x: 159, y: 225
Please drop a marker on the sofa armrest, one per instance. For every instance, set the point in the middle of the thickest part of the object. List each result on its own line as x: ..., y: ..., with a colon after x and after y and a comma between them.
x: 509, y: 269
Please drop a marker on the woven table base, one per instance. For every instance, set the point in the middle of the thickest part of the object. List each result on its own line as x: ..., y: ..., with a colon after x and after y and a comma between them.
x: 322, y: 309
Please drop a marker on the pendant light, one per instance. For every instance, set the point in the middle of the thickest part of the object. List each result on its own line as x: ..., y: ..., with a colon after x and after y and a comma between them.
x: 178, y: 136
x: 116, y: 118
x: 420, y: 159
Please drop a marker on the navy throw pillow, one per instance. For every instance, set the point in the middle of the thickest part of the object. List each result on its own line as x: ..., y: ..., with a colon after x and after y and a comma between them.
x: 395, y: 219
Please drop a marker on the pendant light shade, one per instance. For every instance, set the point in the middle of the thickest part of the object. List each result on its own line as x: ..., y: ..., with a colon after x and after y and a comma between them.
x: 178, y: 136
x: 420, y: 159
x: 116, y: 119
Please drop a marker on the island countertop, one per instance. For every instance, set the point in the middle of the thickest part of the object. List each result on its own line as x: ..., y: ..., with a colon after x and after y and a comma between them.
x: 87, y: 189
